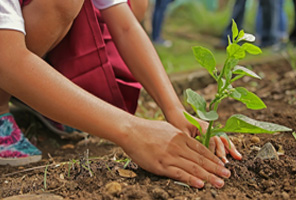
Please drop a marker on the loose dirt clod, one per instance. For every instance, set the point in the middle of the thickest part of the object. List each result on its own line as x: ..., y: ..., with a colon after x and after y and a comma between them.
x: 159, y: 193
x: 285, y: 195
x: 113, y: 188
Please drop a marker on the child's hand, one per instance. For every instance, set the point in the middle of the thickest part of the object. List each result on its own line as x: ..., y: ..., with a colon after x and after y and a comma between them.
x: 218, y: 145
x: 162, y: 149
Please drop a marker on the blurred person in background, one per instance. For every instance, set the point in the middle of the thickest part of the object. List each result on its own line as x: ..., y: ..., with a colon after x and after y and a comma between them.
x: 292, y: 36
x: 270, y: 22
x: 238, y: 15
x: 157, y: 22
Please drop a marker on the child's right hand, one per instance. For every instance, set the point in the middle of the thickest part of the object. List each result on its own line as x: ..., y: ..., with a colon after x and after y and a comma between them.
x: 162, y: 149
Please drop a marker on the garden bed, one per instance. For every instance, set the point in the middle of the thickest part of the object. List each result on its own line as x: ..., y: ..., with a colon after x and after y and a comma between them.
x: 67, y: 171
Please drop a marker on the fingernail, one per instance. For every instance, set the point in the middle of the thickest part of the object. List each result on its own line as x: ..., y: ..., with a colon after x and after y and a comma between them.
x: 224, y: 159
x: 226, y: 173
x: 221, y: 163
x: 219, y: 183
x: 199, y: 184
x: 238, y: 153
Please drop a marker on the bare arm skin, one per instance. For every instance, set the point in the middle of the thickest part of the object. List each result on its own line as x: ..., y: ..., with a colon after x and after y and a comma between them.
x: 139, y: 8
x: 142, y: 59
x: 156, y: 146
x: 144, y: 63
x: 139, y: 54
x: 28, y: 77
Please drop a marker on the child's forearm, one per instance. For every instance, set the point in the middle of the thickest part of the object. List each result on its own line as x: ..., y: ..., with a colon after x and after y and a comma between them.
x: 29, y: 78
x: 140, y: 56
x: 156, y: 146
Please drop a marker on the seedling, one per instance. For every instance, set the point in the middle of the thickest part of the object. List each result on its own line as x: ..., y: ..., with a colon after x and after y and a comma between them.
x: 230, y: 72
x: 45, y: 177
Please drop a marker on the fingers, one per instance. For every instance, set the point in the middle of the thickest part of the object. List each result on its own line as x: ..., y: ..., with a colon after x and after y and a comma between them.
x: 232, y: 150
x: 204, y: 125
x: 220, y: 149
x: 192, y: 173
x: 204, y: 164
x: 212, y: 145
x: 183, y: 176
x: 206, y: 167
x: 226, y: 150
x: 202, y: 150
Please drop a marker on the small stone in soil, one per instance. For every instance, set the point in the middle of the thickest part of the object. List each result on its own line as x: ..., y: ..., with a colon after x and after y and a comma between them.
x: 214, y: 193
x: 68, y: 146
x: 113, y: 188
x: 255, y: 139
x: 159, y: 193
x: 126, y: 173
x: 267, y: 152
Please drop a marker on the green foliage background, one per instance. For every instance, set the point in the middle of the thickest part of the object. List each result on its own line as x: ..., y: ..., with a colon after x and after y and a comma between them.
x: 189, y: 23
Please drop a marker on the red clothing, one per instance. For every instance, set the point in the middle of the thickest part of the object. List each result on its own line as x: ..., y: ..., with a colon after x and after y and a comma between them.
x: 25, y: 2
x: 89, y: 58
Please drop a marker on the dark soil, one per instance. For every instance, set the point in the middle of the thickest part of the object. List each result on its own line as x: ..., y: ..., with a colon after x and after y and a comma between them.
x: 68, y: 176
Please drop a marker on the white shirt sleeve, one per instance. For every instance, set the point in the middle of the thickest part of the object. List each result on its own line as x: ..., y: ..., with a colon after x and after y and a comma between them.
x: 11, y: 15
x: 102, y: 4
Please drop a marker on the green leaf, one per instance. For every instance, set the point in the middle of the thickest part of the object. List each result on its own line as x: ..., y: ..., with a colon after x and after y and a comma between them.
x: 221, y: 84
x: 240, y: 35
x: 235, y: 51
x: 198, y: 104
x: 251, y: 100
x: 231, y: 63
x: 244, y: 71
x: 234, y: 30
x: 235, y: 95
x: 196, y: 101
x: 294, y: 134
x: 205, y: 58
x: 251, y: 49
x: 208, y: 116
x: 247, y: 37
x: 229, y: 40
x: 242, y: 124
x: 193, y: 121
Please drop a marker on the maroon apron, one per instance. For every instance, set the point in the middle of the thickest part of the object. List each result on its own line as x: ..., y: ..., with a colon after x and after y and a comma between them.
x: 89, y: 58
x: 24, y: 2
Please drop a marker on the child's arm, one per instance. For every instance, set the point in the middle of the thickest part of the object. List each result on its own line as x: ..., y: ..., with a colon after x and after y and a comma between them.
x: 139, y: 8
x: 156, y: 146
x: 141, y: 58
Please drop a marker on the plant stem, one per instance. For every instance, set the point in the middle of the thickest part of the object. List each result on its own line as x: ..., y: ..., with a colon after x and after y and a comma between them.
x: 209, y: 130
x: 208, y: 134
